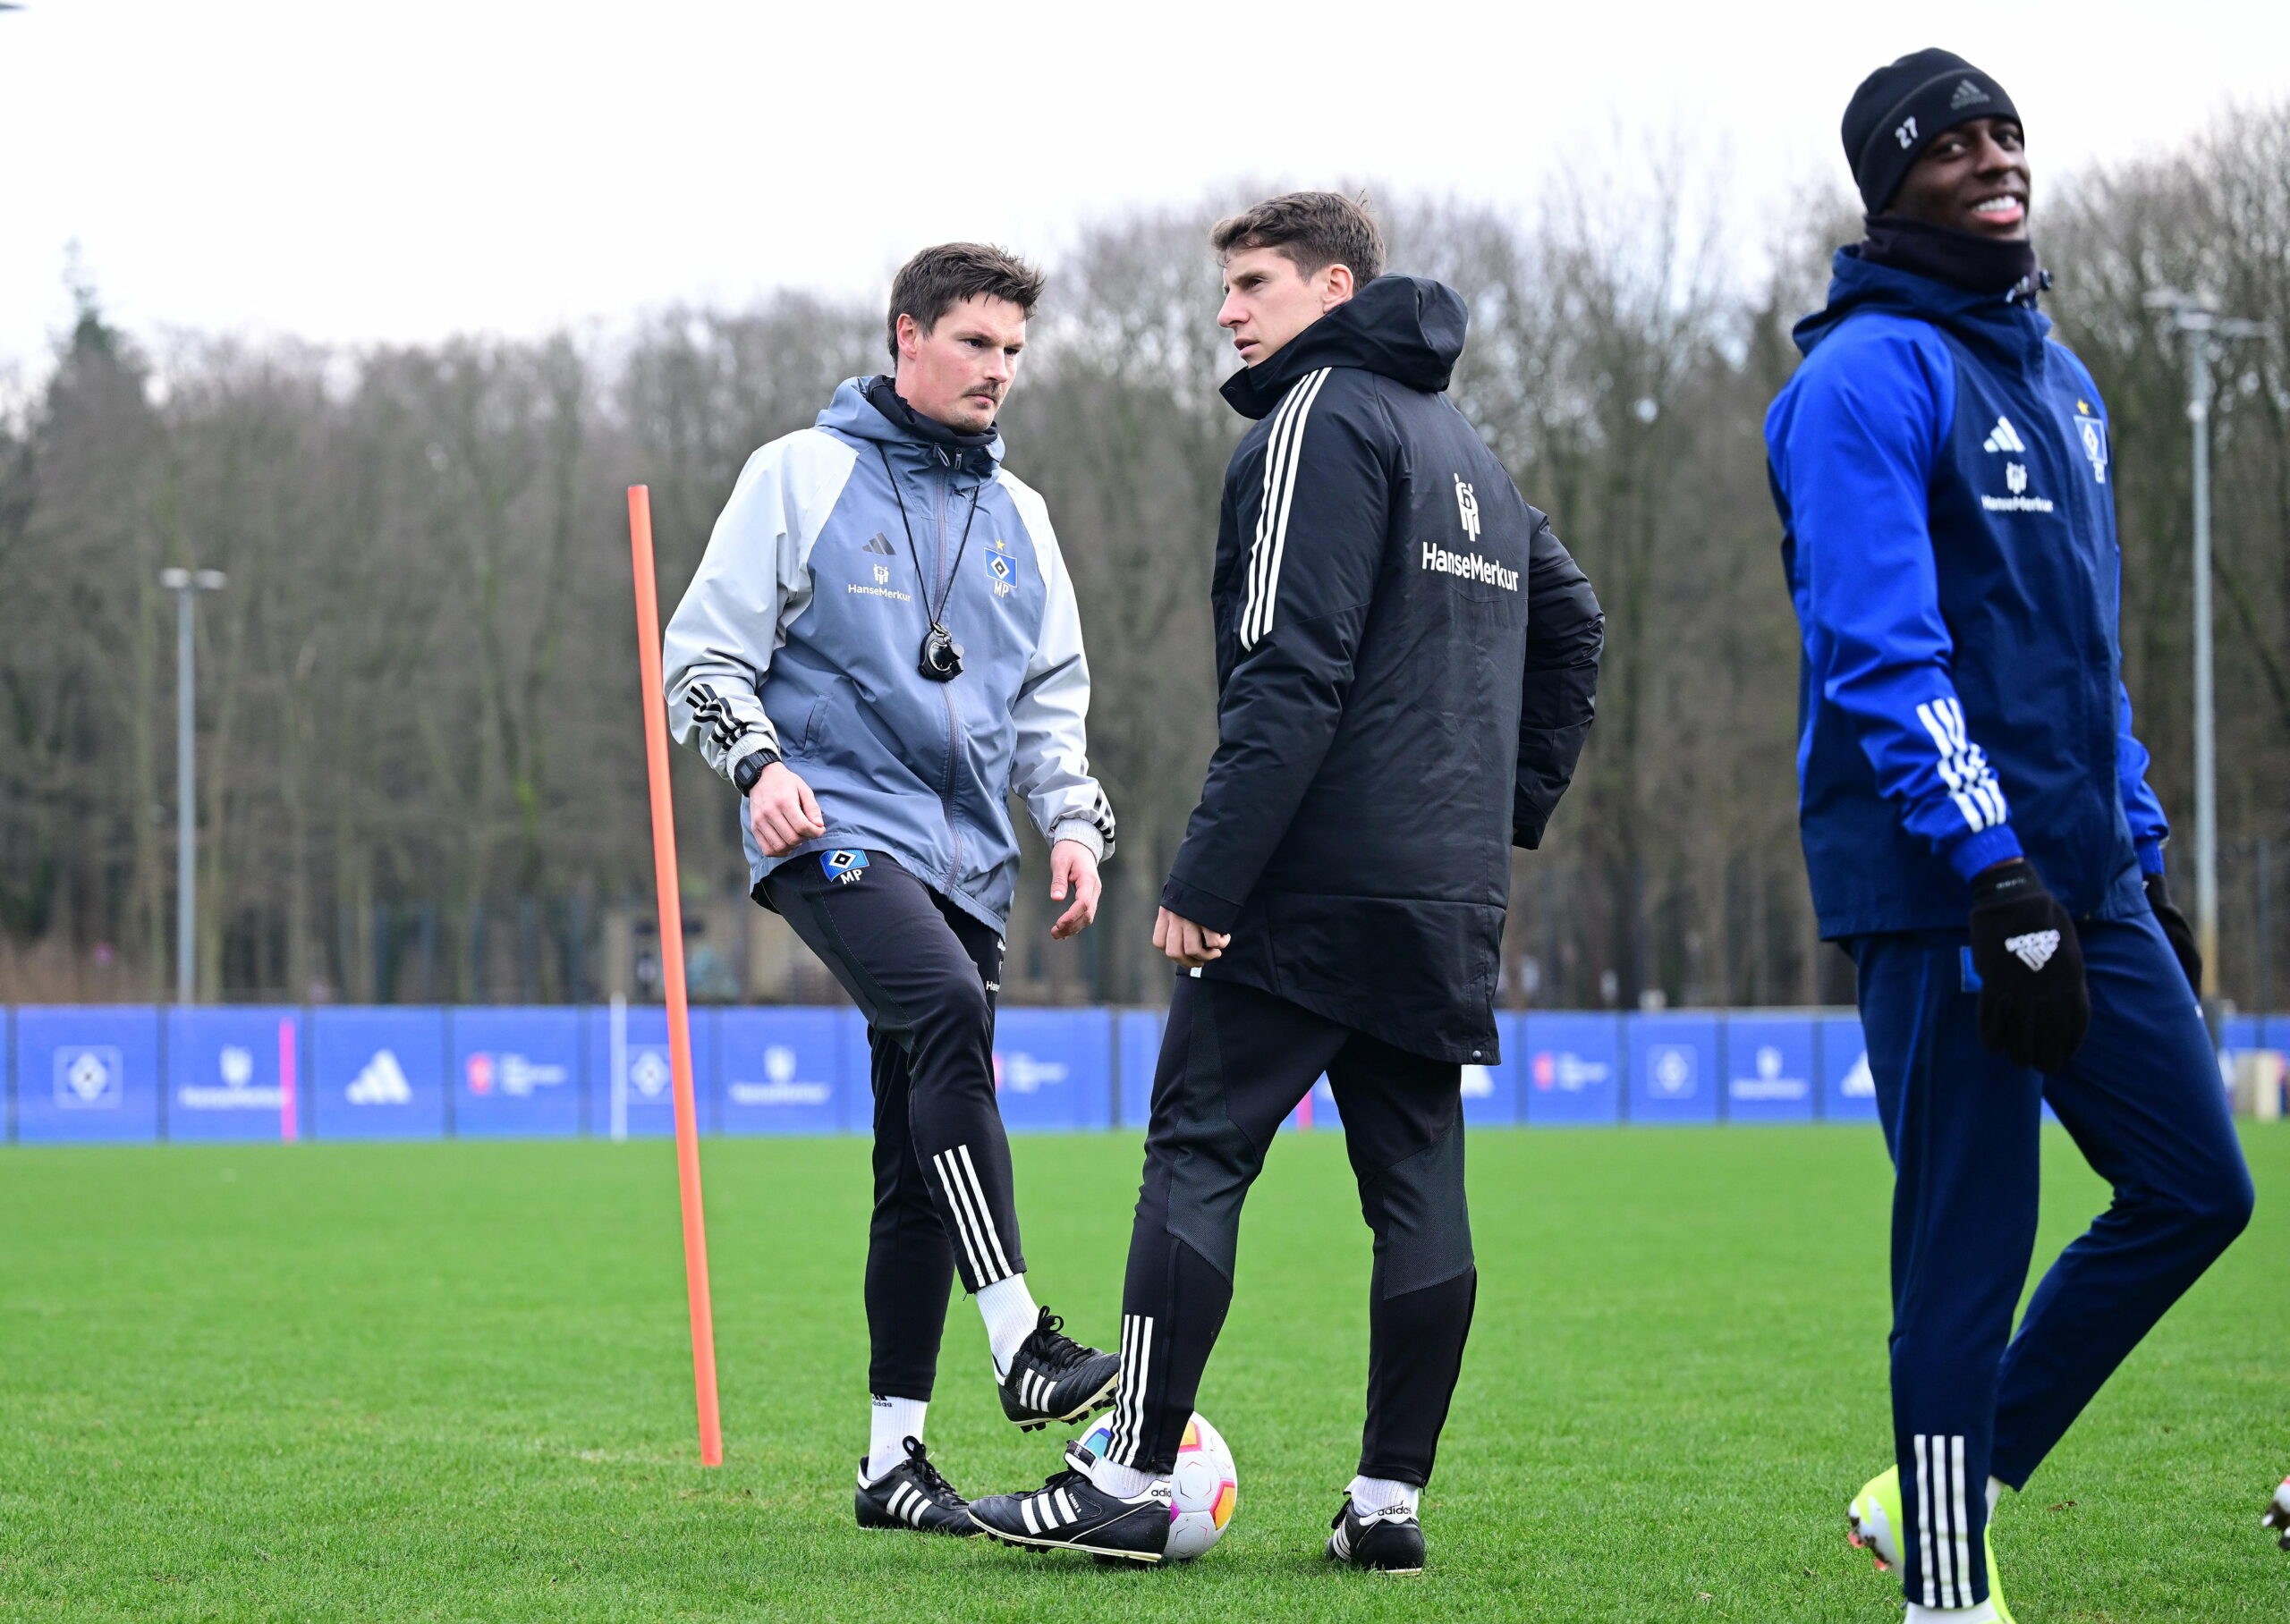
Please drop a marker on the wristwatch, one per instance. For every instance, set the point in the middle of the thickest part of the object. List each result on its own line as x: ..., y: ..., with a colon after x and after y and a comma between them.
x: 750, y: 767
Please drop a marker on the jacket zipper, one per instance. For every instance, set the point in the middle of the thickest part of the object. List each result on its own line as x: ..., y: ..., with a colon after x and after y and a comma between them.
x: 2103, y: 726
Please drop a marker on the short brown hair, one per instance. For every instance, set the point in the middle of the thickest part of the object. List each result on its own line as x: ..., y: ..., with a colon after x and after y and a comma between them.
x: 938, y: 279
x: 1313, y: 229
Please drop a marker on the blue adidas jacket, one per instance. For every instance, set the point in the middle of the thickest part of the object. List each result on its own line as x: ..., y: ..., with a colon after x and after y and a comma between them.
x: 1941, y: 467
x: 800, y: 630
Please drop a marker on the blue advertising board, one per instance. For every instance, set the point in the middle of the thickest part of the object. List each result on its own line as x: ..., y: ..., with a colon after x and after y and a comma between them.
x: 1491, y: 1093
x: 517, y: 1072
x: 234, y: 1072
x: 1771, y: 1071
x: 376, y: 1074
x: 787, y: 1070
x: 1140, y: 1033
x: 1571, y: 1070
x: 1053, y: 1069
x: 96, y: 1073
x: 86, y: 1073
x: 647, y: 1080
x: 1848, y: 1092
x: 1674, y: 1068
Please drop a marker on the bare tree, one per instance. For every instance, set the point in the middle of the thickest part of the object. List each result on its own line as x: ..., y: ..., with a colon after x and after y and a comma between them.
x: 419, y: 712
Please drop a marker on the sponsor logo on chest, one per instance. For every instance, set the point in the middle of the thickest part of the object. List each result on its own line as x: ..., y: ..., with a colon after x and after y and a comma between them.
x: 2004, y: 440
x: 879, y: 546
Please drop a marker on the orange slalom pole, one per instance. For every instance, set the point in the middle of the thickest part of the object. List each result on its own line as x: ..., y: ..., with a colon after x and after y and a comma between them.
x: 664, y: 869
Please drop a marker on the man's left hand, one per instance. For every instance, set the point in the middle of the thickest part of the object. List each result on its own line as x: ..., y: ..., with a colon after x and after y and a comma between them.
x: 1074, y: 868
x: 1187, y: 944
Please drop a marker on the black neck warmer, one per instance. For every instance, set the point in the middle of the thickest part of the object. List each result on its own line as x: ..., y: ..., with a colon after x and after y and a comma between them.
x: 1963, y: 259
x: 883, y: 395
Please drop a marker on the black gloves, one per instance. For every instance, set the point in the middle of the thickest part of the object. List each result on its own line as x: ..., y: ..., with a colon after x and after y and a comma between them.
x: 2177, y: 931
x: 2033, y: 1005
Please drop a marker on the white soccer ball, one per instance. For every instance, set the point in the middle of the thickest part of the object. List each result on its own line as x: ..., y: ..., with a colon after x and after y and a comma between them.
x: 1203, y: 1491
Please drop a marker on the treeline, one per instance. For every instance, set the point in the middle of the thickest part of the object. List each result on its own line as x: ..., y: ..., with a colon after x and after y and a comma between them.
x: 421, y: 773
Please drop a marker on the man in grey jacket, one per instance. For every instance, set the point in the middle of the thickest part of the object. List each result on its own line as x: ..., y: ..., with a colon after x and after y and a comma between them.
x: 880, y: 648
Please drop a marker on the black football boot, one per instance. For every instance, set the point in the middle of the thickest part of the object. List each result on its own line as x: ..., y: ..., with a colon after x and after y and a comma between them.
x: 912, y: 1495
x: 1389, y: 1542
x: 1071, y: 1513
x: 1052, y: 1377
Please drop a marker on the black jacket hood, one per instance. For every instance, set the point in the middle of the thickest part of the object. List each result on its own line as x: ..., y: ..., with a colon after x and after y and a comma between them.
x: 1409, y: 329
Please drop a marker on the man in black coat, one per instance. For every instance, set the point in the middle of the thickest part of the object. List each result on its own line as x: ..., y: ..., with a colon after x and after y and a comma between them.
x: 1406, y: 661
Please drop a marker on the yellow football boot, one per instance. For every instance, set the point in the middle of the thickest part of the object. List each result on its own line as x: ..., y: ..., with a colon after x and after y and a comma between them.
x: 1873, y: 1521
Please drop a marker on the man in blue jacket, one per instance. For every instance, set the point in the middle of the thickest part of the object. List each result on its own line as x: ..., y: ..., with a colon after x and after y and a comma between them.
x: 878, y: 650
x: 1977, y: 823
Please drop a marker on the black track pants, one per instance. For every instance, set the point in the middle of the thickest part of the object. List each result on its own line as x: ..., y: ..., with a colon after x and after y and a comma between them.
x: 1234, y: 1061
x: 925, y: 974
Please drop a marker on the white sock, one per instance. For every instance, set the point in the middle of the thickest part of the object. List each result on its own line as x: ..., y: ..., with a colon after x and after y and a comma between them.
x: 1123, y: 1482
x: 893, y: 1422
x: 1996, y: 1489
x: 1011, y: 1315
x: 1370, y: 1495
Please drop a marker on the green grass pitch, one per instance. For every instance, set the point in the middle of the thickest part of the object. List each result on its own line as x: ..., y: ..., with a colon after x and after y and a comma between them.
x: 449, y: 1381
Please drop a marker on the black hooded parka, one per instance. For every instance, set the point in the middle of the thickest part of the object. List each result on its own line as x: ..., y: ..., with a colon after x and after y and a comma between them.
x: 1406, y: 660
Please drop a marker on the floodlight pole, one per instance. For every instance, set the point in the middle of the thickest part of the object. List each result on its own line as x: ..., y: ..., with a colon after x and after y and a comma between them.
x: 2195, y: 316
x: 187, y: 584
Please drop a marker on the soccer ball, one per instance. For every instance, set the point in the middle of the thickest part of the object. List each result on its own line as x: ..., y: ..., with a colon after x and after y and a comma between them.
x: 1203, y: 1491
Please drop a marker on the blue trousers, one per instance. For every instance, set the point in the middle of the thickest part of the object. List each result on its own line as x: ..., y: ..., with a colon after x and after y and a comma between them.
x: 2142, y: 1101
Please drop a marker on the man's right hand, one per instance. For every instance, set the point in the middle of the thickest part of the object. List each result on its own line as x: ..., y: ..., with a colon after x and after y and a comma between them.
x: 1185, y: 943
x: 2034, y: 1007
x: 2177, y: 931
x: 781, y: 812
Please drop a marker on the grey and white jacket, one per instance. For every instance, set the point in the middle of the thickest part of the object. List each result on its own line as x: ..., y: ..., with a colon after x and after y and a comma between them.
x: 800, y: 633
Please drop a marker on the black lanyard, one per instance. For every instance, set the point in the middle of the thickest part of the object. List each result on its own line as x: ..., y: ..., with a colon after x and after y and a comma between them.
x: 941, y: 659
x: 947, y: 591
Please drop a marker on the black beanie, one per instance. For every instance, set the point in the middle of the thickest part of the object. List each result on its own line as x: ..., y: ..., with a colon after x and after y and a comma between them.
x: 1901, y: 107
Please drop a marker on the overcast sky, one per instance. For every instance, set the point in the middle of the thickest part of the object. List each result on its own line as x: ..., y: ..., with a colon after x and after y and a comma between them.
x: 352, y: 173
